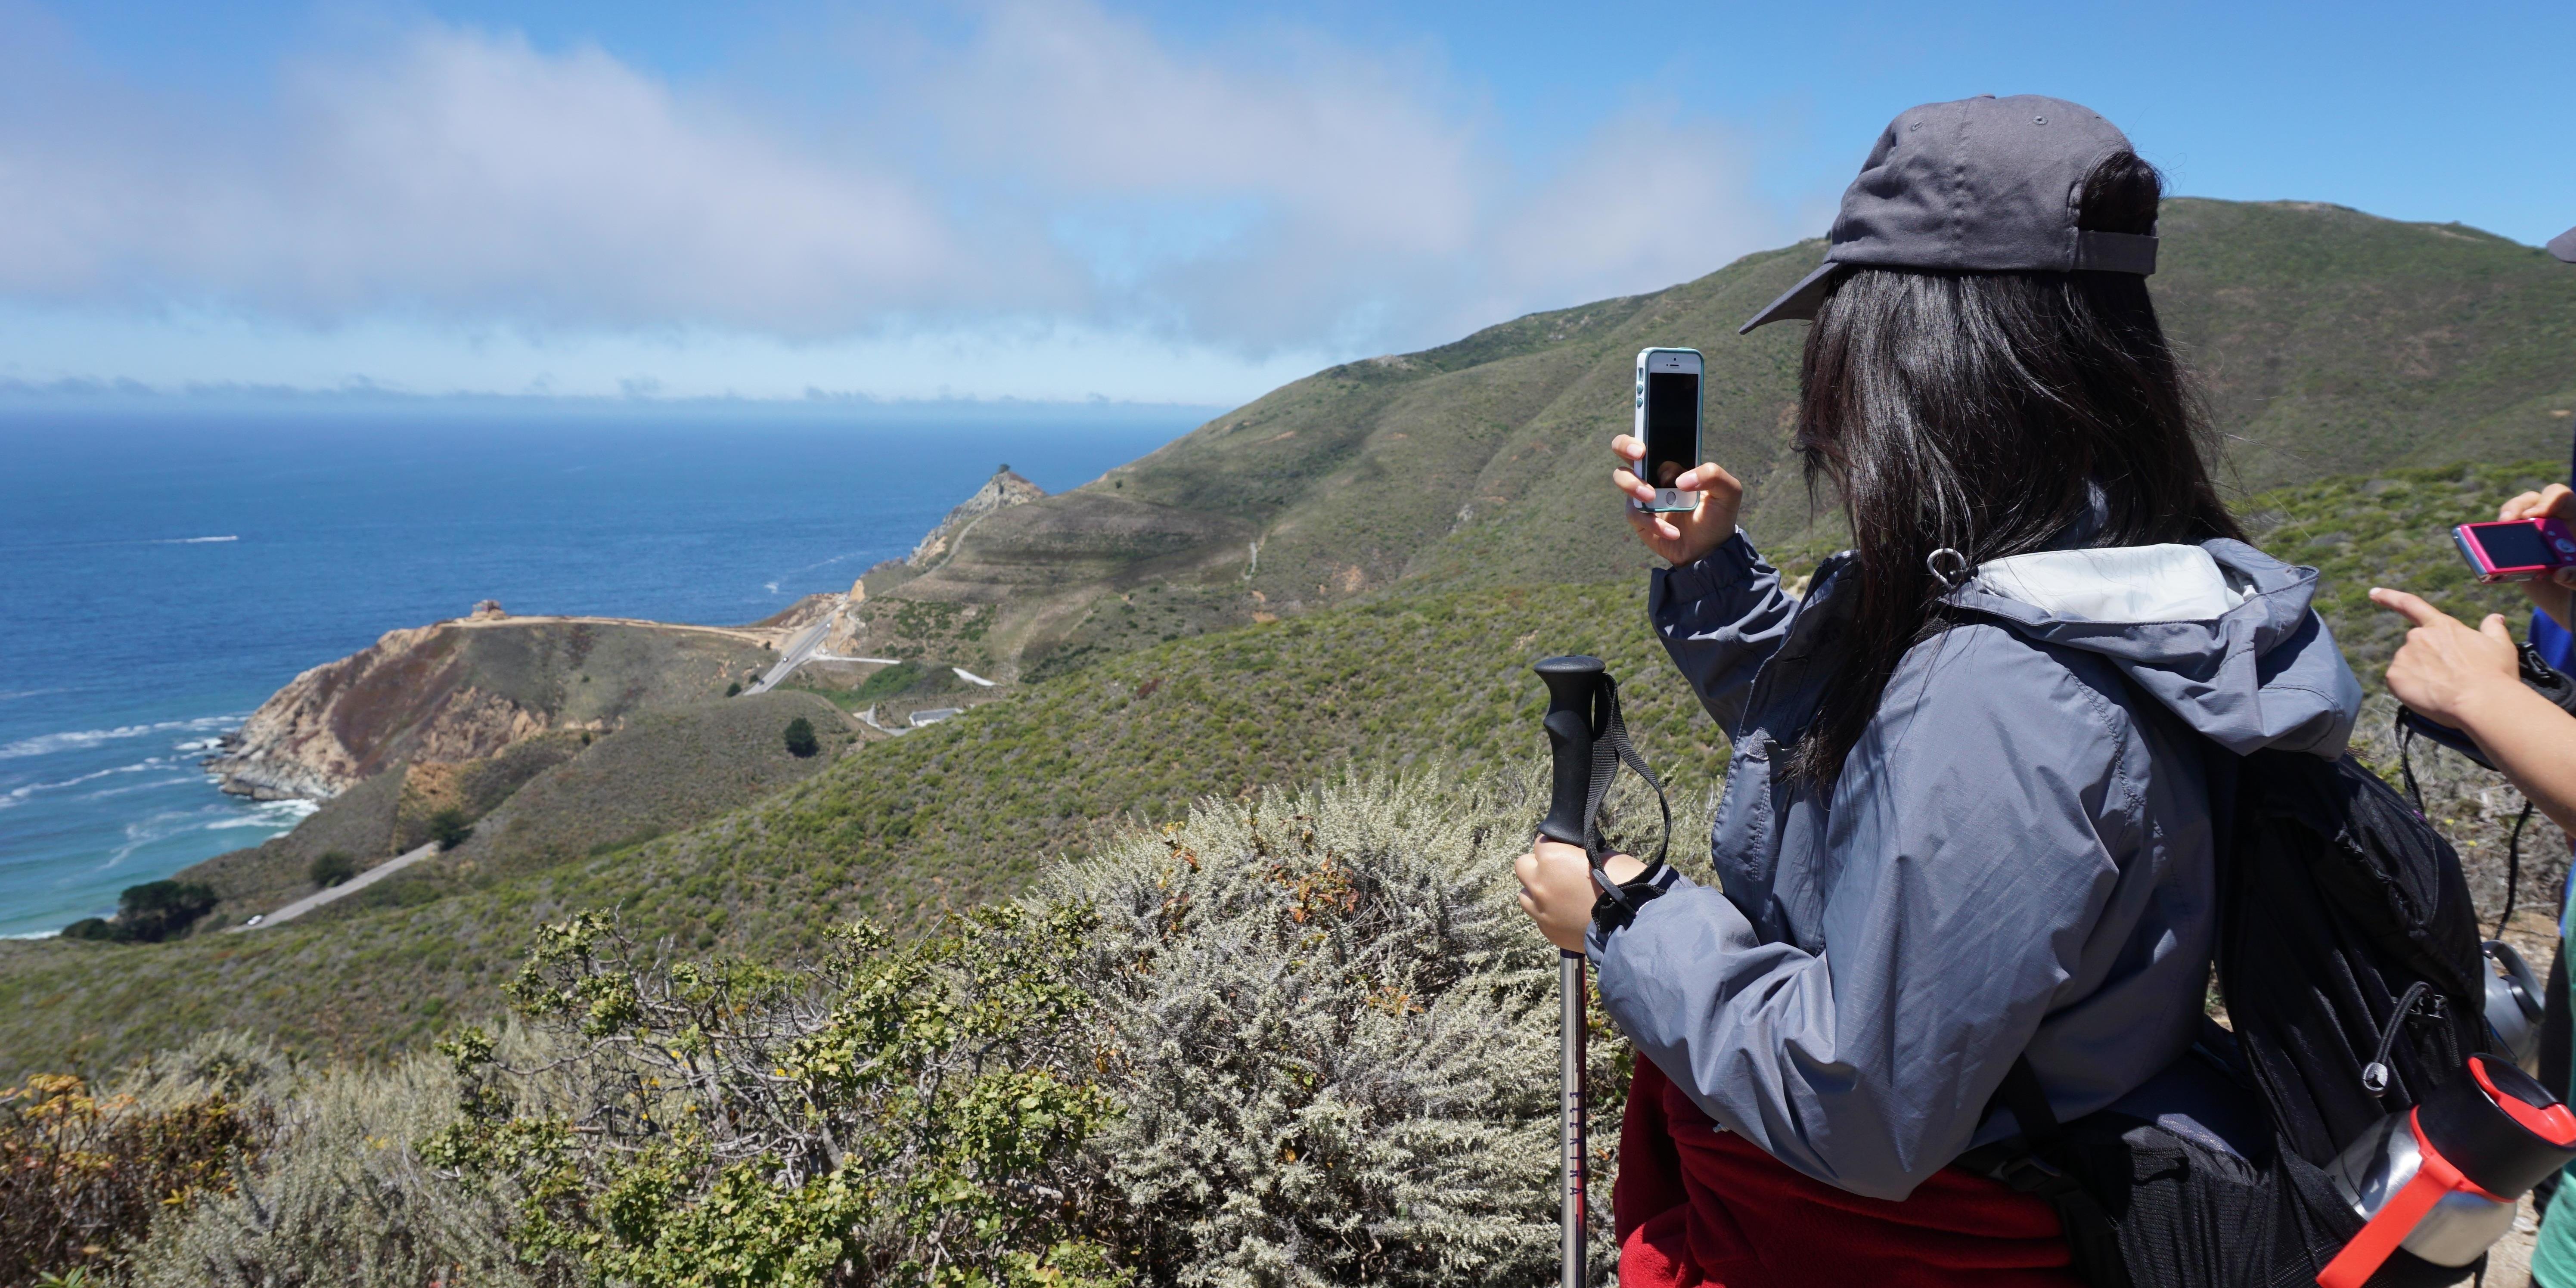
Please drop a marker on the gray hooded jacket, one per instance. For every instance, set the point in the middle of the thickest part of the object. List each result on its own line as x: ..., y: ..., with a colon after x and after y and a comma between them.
x: 2018, y: 856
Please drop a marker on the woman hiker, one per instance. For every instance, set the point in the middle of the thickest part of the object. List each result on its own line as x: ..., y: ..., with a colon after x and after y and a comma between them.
x: 1967, y: 817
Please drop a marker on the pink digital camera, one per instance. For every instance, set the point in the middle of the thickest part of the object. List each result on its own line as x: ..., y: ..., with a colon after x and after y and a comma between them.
x: 2517, y: 550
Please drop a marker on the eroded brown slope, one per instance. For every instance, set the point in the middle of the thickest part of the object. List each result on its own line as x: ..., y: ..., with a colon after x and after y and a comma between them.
x: 462, y: 690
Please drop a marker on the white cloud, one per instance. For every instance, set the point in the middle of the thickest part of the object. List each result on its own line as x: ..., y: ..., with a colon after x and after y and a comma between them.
x: 1650, y: 199
x: 1042, y: 169
x: 474, y: 176
x: 1031, y: 359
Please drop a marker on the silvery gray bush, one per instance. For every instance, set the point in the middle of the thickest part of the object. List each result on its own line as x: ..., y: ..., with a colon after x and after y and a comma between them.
x: 338, y: 1199
x: 1339, y: 1039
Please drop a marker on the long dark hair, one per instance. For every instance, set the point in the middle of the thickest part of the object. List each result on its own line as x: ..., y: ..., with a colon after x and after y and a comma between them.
x: 1978, y: 412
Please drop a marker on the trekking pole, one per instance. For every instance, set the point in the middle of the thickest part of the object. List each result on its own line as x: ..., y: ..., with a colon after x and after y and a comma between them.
x: 1573, y: 689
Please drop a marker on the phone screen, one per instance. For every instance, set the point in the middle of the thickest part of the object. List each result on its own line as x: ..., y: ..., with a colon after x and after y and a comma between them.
x: 2512, y: 545
x: 1672, y: 425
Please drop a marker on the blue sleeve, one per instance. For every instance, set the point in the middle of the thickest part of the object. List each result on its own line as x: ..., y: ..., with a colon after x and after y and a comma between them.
x: 1969, y: 851
x: 1720, y: 618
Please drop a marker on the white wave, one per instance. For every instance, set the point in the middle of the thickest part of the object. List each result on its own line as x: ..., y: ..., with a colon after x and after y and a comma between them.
x: 821, y: 563
x: 51, y: 743
x: 143, y: 832
x: 34, y: 934
x: 154, y: 786
x: 18, y: 795
x: 15, y: 694
x: 770, y: 586
x: 270, y: 814
x: 189, y: 541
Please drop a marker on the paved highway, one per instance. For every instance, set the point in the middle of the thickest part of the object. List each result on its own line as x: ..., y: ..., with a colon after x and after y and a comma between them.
x: 346, y: 888
x: 800, y: 646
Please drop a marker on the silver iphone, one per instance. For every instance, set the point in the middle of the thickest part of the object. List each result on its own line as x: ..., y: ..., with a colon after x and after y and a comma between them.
x: 1668, y: 407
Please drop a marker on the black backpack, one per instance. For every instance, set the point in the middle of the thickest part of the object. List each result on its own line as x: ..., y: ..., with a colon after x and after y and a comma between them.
x: 2348, y: 960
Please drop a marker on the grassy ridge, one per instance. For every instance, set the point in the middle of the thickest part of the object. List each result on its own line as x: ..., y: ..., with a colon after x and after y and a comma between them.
x: 2329, y: 342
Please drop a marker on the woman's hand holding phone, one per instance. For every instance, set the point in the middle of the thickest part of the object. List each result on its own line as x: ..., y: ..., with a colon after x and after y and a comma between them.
x: 1679, y: 537
x: 2556, y: 501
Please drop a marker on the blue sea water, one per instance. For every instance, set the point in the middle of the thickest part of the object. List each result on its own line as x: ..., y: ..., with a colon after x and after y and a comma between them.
x: 162, y: 572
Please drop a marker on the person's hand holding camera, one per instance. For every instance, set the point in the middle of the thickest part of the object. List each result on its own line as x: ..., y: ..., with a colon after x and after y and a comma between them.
x: 2557, y: 501
x: 2471, y: 680
x: 1680, y: 538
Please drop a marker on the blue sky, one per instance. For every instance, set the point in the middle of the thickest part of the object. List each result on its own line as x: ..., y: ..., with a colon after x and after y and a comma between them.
x: 1041, y: 200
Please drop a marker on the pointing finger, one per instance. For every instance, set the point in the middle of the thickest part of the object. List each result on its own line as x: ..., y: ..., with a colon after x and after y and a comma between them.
x: 2408, y: 606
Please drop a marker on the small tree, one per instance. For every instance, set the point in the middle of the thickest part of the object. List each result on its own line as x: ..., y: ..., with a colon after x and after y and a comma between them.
x: 734, y: 689
x: 158, y: 910
x: 800, y: 738
x: 333, y: 868
x: 450, y: 828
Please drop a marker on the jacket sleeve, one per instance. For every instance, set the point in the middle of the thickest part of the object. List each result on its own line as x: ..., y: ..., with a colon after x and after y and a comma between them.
x: 1720, y: 618
x: 1969, y: 851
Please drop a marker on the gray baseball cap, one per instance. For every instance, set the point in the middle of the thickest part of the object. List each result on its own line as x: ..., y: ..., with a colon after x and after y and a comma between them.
x: 1981, y: 185
x: 2564, y: 246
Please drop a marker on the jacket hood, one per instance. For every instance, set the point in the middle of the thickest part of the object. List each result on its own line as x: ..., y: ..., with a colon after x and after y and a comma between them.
x: 2220, y: 633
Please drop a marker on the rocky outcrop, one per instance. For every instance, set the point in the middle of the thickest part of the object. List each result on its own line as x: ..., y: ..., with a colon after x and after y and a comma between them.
x: 464, y: 690
x: 401, y: 698
x: 1000, y: 492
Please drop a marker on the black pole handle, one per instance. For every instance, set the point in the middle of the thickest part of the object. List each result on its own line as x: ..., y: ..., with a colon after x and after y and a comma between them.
x: 1573, y: 699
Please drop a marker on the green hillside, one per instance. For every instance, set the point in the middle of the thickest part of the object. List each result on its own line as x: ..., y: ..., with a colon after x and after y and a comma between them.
x: 2329, y: 342
x: 964, y: 811
x: 954, y: 813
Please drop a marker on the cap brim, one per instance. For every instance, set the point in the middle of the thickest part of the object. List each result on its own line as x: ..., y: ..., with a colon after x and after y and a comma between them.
x: 2564, y: 246
x: 1799, y: 305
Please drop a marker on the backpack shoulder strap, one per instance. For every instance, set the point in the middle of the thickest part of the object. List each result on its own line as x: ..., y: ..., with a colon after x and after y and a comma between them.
x: 2023, y: 1162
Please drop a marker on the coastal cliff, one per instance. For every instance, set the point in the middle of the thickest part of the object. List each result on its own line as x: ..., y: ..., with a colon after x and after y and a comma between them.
x: 468, y: 688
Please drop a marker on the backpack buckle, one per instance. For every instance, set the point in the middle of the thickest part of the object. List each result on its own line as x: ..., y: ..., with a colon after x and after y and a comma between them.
x: 2031, y: 1174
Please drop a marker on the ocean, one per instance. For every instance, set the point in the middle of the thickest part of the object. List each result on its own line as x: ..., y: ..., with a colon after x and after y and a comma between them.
x: 163, y: 572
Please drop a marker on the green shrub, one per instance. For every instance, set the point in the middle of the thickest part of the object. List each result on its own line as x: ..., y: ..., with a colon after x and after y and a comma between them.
x: 99, y: 928
x: 450, y: 828
x: 88, y: 1172
x: 734, y: 690
x: 159, y: 910
x: 800, y: 738
x: 890, y: 1115
x: 889, y: 680
x: 333, y: 868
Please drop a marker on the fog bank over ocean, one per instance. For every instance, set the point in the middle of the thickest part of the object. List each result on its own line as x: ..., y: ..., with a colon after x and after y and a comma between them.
x: 169, y: 562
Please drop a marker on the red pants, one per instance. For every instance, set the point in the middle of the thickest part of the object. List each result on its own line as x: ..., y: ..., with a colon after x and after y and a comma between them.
x: 1701, y: 1208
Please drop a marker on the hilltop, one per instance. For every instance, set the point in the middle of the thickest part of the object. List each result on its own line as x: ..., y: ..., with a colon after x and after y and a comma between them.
x: 2328, y: 341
